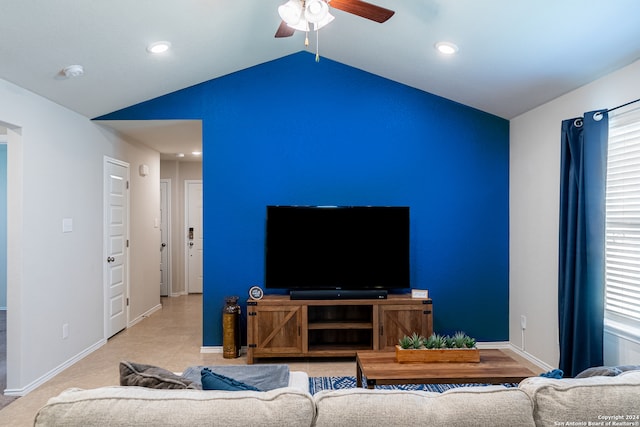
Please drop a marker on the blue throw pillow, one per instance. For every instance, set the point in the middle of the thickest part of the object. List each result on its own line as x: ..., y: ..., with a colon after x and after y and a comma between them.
x: 555, y: 373
x: 213, y: 381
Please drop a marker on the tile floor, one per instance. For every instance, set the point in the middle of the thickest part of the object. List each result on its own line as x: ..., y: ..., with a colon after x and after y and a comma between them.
x: 171, y: 338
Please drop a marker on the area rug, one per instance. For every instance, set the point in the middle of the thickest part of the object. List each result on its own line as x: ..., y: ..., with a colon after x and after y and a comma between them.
x: 317, y: 384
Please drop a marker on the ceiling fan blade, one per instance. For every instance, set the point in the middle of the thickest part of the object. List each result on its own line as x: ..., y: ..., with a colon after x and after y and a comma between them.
x: 284, y: 30
x: 363, y: 9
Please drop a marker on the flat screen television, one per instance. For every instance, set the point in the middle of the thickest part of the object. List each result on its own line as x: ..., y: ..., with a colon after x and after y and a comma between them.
x: 316, y: 251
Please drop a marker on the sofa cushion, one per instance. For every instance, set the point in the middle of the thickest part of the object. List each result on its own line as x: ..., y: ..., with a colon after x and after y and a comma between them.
x: 138, y: 374
x: 138, y: 406
x: 583, y: 399
x: 465, y: 406
x: 213, y: 381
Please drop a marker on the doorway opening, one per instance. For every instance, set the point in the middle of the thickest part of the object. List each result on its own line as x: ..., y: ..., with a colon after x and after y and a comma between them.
x: 11, y: 264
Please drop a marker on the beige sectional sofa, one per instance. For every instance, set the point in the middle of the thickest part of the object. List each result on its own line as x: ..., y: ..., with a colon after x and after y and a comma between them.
x: 536, y: 402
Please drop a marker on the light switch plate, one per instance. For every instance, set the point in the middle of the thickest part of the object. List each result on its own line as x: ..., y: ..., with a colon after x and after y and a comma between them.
x: 67, y: 225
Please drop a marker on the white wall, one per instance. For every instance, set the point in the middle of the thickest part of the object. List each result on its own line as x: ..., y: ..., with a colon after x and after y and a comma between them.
x: 534, y: 205
x: 55, y: 162
x: 3, y: 219
x: 178, y: 172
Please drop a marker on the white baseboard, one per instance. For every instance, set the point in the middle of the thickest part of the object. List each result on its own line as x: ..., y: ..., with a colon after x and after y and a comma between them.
x: 219, y: 349
x: 55, y: 371
x: 493, y: 344
x: 144, y: 315
x: 211, y: 349
x: 542, y: 365
x: 509, y: 346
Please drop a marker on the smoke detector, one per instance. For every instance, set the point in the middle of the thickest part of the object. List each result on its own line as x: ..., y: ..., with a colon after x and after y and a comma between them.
x: 73, y: 71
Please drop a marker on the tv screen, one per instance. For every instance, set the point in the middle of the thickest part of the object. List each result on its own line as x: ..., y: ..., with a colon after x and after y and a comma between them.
x: 355, y: 247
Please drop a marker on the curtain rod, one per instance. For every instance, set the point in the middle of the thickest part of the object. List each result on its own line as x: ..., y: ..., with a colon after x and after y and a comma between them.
x: 623, y: 105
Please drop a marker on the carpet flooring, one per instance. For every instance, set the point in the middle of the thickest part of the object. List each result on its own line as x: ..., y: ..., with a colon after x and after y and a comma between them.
x: 317, y: 384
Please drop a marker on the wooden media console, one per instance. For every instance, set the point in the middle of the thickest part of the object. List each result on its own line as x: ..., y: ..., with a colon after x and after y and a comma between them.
x: 280, y: 327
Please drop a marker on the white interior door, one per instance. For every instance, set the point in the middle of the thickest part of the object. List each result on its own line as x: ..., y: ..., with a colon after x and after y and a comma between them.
x: 116, y: 200
x: 193, y: 233
x: 165, y: 225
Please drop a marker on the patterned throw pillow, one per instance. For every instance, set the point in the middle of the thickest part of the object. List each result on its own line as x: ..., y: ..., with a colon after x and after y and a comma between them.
x: 137, y: 374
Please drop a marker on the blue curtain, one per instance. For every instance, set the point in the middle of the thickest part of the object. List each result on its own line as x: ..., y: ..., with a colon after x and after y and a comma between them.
x: 582, y: 235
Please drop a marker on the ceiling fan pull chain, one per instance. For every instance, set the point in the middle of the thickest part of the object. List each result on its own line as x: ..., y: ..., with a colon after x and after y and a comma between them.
x: 317, y: 44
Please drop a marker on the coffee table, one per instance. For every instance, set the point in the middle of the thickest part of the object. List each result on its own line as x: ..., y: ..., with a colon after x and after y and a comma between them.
x: 495, y: 367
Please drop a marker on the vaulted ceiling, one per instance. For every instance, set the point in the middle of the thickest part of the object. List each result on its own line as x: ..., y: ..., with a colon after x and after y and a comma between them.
x: 513, y: 55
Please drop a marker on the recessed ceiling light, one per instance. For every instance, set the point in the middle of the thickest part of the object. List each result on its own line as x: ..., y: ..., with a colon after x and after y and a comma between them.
x: 158, y: 47
x: 446, y: 48
x: 196, y: 153
x: 180, y: 155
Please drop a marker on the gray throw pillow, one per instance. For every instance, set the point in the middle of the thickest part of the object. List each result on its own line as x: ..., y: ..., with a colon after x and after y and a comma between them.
x: 625, y: 368
x: 137, y: 374
x: 599, y: 371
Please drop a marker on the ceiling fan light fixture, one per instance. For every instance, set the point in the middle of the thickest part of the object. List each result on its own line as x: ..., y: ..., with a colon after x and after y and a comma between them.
x: 316, y: 11
x: 290, y: 12
x: 446, y: 48
x: 301, y: 25
x: 327, y: 19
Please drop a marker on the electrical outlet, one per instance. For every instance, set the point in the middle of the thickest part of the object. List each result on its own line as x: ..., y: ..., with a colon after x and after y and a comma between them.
x: 523, y: 321
x: 65, y: 331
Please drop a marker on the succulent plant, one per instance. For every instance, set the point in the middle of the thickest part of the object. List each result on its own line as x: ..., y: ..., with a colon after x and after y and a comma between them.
x: 448, y: 342
x: 405, y: 342
x: 435, y: 341
x: 460, y: 340
x: 470, y: 342
x: 417, y: 341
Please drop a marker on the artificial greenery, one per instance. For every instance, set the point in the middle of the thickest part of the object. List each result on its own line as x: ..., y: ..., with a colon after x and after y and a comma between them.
x: 458, y: 340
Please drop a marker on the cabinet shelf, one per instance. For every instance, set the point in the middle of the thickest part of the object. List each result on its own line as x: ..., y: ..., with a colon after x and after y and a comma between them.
x: 336, y: 350
x: 280, y: 327
x: 340, y: 325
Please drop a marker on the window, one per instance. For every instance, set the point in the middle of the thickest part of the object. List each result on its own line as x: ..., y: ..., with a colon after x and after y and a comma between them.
x: 622, y: 247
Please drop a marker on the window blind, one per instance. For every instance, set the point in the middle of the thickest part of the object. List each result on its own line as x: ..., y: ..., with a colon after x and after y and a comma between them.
x: 622, y: 247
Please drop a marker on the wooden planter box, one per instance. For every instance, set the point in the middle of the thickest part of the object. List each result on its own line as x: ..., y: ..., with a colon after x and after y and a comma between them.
x: 437, y: 355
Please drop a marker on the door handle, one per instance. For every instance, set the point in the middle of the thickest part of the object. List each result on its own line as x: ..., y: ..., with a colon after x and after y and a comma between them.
x: 110, y: 259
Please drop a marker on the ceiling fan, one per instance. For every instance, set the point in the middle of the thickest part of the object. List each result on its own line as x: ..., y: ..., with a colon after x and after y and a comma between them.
x: 298, y: 14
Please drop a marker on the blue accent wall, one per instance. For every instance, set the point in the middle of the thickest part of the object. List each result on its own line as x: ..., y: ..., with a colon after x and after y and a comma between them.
x: 296, y: 132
